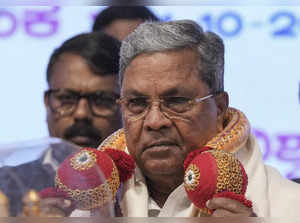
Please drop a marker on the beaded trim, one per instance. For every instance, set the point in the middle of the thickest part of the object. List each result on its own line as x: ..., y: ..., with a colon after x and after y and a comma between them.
x: 96, y: 197
x: 230, y: 176
x: 116, y: 141
x: 191, y: 177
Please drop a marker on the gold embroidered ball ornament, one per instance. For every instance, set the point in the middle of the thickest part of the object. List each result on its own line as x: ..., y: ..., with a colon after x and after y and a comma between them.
x: 91, y: 178
x: 214, y: 173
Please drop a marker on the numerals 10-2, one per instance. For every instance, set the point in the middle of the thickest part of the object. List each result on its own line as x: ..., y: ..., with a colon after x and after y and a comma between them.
x: 231, y: 24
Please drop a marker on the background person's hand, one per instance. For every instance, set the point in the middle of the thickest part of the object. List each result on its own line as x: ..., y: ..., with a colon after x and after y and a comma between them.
x: 55, y: 207
x: 226, y: 207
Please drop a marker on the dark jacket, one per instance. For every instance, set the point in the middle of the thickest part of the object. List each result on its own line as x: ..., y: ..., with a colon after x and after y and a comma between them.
x: 16, y: 181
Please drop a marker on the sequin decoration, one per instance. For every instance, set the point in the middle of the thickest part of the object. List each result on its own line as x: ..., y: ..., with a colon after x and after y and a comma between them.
x: 191, y: 177
x: 83, y: 160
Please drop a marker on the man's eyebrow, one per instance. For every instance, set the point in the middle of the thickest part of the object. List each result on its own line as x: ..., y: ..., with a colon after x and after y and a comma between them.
x: 177, y: 91
x: 105, y: 92
x: 132, y: 92
x: 171, y: 92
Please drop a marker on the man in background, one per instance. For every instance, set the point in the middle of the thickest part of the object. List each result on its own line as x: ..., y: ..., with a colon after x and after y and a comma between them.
x: 81, y: 108
x: 83, y: 88
x: 119, y: 21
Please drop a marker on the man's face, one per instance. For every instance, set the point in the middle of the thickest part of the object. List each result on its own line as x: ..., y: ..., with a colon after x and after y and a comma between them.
x: 159, y: 141
x: 81, y: 127
x: 121, y: 28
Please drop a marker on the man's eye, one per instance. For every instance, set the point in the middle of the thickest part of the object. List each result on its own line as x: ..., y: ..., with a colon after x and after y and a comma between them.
x: 177, y: 104
x: 137, y: 104
x: 137, y: 101
x: 65, y: 98
x: 176, y: 100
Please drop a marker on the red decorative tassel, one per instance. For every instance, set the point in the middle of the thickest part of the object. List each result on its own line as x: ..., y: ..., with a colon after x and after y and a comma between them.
x: 123, y: 161
x: 88, y: 178
x: 245, y: 179
x: 214, y: 173
x: 238, y: 197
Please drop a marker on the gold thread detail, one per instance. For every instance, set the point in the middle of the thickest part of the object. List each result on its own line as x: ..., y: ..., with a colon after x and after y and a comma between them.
x: 191, y: 177
x: 115, y: 141
x: 230, y: 176
x: 235, y: 133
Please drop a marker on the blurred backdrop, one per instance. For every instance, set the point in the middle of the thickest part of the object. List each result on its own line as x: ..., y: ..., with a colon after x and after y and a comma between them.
x: 262, y: 72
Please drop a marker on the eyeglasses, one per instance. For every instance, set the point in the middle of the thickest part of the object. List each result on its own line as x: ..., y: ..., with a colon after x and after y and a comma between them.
x: 65, y: 101
x: 138, y: 105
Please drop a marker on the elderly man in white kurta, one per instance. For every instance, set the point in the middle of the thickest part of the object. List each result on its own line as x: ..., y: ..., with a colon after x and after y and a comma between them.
x: 173, y: 102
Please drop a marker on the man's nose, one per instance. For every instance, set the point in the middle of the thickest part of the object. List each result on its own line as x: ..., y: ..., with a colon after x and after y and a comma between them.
x: 155, y: 119
x: 82, y: 110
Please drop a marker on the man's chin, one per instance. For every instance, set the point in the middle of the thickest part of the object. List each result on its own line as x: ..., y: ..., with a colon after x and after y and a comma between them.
x: 163, y: 167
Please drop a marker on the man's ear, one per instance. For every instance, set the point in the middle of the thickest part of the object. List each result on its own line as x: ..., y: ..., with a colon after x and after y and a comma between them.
x: 46, y: 99
x: 222, y: 102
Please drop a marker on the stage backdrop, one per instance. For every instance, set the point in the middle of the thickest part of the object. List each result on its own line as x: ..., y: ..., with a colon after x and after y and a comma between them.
x: 262, y: 72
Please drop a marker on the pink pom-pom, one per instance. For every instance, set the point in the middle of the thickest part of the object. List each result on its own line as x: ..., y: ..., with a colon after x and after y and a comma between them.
x: 124, y: 162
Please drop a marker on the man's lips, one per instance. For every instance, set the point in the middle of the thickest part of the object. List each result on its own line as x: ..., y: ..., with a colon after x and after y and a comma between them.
x: 160, y: 146
x: 161, y: 150
x: 83, y: 140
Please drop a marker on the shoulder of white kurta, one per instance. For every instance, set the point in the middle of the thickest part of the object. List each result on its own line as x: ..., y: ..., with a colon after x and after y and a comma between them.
x: 284, y: 195
x: 80, y: 213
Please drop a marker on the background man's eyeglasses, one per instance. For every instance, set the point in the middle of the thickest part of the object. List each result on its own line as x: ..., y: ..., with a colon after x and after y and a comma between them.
x: 65, y: 101
x: 174, y: 104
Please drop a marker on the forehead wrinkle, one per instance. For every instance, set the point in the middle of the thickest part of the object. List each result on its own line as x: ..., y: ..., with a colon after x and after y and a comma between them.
x: 155, y: 85
x: 132, y: 92
x: 163, y: 71
x: 186, y: 70
x: 189, y: 64
x: 186, y: 65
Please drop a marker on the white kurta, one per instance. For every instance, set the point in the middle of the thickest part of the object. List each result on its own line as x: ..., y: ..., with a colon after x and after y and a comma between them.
x: 271, y: 194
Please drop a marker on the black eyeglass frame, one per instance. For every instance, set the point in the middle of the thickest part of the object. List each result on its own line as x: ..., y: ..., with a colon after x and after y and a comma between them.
x: 79, y: 95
